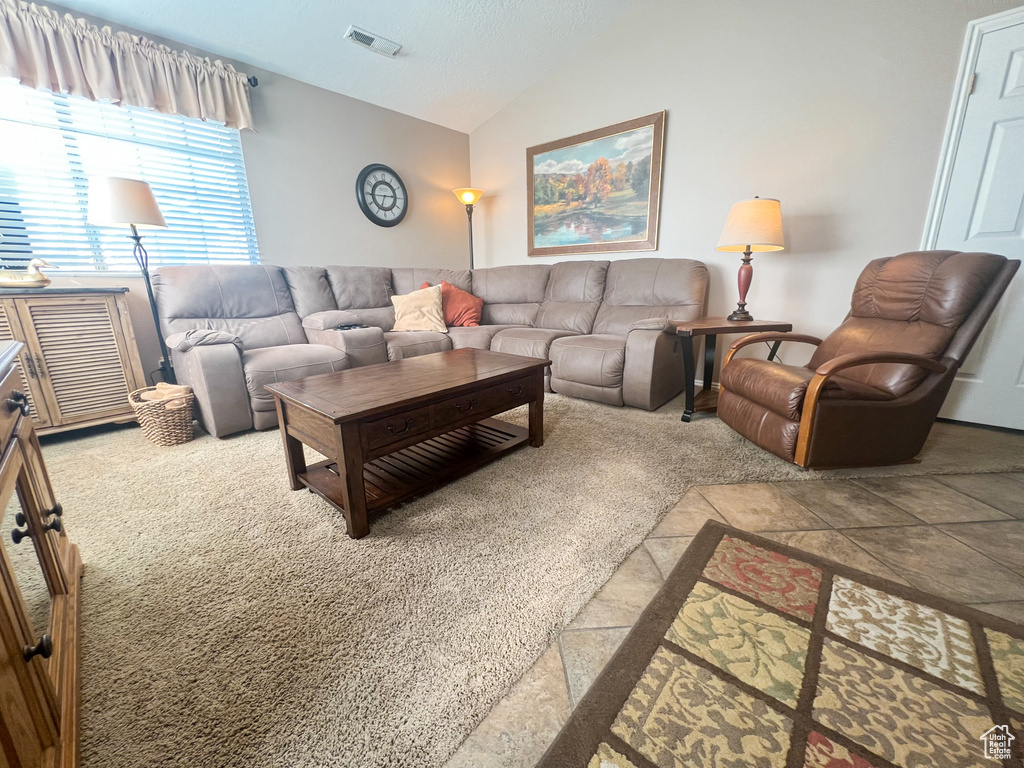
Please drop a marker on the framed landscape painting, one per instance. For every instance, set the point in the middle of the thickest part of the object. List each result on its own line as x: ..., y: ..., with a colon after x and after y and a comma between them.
x: 598, y: 191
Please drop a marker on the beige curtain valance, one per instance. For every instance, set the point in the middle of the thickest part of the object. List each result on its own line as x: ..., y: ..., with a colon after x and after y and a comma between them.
x: 43, y: 49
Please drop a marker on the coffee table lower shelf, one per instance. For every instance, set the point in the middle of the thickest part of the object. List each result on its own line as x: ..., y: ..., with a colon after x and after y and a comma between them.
x: 420, y: 468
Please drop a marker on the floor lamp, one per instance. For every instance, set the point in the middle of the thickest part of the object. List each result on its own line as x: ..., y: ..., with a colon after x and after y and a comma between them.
x: 117, y: 202
x: 469, y: 197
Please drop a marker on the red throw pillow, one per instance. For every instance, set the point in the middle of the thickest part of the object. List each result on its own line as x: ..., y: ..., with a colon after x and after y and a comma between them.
x: 459, y: 307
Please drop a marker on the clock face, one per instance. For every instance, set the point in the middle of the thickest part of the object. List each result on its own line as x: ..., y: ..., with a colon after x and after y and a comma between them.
x: 381, y: 195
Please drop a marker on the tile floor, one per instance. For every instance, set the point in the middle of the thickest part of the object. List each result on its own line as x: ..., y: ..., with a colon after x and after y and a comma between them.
x: 959, y: 536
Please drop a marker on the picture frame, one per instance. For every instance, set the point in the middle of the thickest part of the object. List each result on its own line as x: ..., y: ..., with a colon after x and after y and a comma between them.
x: 579, y: 200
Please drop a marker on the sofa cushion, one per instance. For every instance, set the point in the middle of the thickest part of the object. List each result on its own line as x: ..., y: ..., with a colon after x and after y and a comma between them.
x: 638, y: 289
x: 310, y: 290
x: 408, y: 279
x: 781, y: 388
x: 419, y: 311
x: 361, y: 287
x: 512, y: 295
x: 528, y: 342
x: 403, y: 344
x: 249, y: 301
x: 573, y: 296
x: 461, y: 308
x: 476, y: 336
x: 597, y: 360
x: 271, y: 365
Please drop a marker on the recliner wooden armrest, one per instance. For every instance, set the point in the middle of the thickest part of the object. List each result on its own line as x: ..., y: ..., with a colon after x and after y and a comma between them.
x: 854, y: 359
x: 756, y: 338
x: 832, y: 367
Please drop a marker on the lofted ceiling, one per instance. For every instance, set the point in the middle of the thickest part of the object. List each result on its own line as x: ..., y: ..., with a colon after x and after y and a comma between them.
x: 461, y: 60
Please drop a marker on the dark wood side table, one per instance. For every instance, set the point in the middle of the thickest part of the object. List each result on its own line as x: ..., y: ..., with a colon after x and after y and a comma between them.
x: 710, y: 327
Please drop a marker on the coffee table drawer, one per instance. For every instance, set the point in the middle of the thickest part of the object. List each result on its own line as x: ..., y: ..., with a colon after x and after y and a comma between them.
x: 464, y: 405
x: 515, y: 392
x: 398, y: 427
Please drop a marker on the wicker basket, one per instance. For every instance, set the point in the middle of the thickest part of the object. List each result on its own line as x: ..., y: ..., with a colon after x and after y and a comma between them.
x: 160, y: 424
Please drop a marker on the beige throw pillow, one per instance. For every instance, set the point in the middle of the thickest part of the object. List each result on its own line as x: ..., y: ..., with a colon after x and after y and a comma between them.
x: 419, y: 311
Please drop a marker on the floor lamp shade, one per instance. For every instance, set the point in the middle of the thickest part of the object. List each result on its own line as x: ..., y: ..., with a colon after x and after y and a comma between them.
x: 752, y: 226
x: 117, y: 202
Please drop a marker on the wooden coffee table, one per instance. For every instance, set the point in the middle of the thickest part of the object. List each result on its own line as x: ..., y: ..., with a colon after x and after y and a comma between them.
x: 397, y: 430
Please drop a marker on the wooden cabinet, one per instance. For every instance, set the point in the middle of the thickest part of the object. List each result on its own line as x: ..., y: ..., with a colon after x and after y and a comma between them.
x: 79, y: 360
x: 39, y: 585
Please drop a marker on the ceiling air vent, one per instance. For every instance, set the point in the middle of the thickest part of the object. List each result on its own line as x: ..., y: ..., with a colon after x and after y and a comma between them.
x: 375, y: 43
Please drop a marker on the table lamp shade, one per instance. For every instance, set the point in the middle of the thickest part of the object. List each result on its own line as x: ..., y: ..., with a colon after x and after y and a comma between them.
x: 754, y: 225
x: 117, y: 202
x: 468, y: 195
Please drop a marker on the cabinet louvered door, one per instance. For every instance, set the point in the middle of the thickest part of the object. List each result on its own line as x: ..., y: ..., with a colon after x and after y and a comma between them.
x: 10, y: 328
x: 84, y: 362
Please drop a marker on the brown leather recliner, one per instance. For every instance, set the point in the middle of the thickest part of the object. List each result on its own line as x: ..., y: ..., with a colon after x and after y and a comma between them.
x: 872, y: 389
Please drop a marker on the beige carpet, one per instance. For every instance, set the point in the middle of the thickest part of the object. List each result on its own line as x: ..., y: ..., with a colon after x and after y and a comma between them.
x: 228, y: 621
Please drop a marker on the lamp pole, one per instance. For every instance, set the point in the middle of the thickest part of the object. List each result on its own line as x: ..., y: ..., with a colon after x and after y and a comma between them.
x: 142, y: 259
x: 469, y: 215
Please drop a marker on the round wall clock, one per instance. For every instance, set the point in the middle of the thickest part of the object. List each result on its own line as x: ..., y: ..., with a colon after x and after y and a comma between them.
x: 381, y: 195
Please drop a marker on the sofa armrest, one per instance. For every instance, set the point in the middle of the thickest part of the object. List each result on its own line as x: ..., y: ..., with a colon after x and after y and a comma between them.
x: 653, y: 372
x: 214, y: 371
x: 201, y: 337
x: 325, y: 321
x: 362, y: 346
x: 653, y: 324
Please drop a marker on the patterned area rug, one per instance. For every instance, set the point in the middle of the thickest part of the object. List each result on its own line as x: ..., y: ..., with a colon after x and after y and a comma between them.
x: 756, y: 654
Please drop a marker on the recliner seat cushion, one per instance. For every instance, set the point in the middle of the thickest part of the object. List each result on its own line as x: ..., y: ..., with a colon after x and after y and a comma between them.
x: 271, y: 365
x: 528, y: 342
x: 403, y: 344
x: 476, y: 336
x: 781, y: 388
x: 597, y: 360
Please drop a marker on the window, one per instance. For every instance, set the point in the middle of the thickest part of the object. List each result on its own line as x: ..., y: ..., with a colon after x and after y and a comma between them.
x: 51, y: 145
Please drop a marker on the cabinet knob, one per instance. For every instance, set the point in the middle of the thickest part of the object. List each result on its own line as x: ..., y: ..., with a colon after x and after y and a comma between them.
x: 53, y: 525
x: 20, y: 518
x: 17, y: 535
x: 43, y: 648
x: 18, y: 401
x: 56, y: 511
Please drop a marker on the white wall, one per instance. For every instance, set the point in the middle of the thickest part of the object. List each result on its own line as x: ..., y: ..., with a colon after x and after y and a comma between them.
x: 836, y: 108
x: 302, y: 163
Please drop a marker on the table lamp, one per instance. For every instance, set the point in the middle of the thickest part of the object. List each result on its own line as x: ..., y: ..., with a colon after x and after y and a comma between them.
x: 117, y: 202
x: 469, y: 197
x: 753, y: 226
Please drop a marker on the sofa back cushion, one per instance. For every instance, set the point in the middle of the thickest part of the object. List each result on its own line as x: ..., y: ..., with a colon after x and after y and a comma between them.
x: 638, y: 289
x: 310, y: 290
x: 512, y: 295
x: 573, y: 296
x: 250, y: 301
x: 914, y: 302
x: 409, y: 279
x: 361, y: 287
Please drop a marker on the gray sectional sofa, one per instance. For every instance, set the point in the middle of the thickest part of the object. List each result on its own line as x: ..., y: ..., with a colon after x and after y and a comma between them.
x: 604, y: 325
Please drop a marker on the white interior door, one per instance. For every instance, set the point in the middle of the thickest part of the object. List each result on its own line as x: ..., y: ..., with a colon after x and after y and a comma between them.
x: 979, y: 206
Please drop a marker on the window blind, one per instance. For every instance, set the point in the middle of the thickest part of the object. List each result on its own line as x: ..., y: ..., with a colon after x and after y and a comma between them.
x: 52, y: 144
